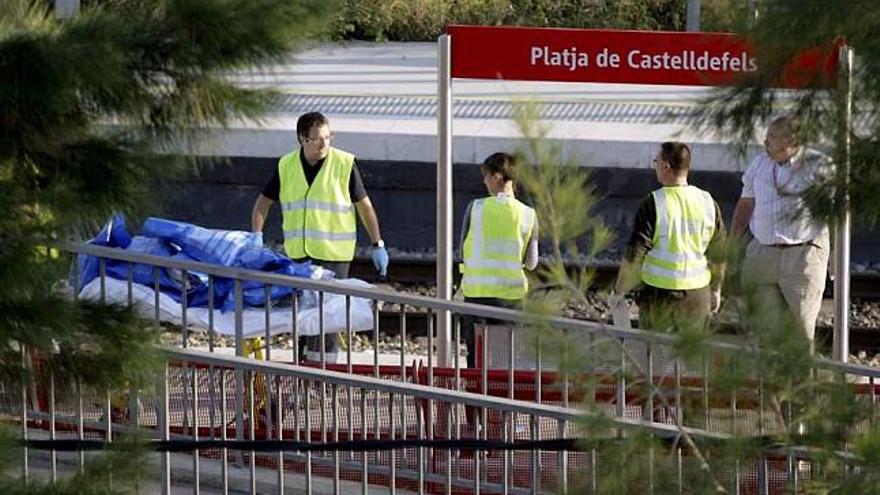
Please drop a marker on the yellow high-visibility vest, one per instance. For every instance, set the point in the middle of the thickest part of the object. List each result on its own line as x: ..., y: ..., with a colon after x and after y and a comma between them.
x: 496, y: 241
x: 318, y: 220
x: 684, y: 227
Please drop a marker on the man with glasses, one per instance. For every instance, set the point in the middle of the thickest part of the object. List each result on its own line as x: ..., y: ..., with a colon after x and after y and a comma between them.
x: 786, y: 261
x: 319, y: 188
x: 675, y: 250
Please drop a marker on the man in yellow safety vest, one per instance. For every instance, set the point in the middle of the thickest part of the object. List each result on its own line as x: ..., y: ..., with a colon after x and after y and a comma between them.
x: 676, y: 249
x: 319, y: 188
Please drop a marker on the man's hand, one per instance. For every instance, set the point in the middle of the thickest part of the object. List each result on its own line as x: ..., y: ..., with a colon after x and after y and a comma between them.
x: 380, y: 260
x: 619, y: 310
x: 715, y: 301
x: 259, y: 238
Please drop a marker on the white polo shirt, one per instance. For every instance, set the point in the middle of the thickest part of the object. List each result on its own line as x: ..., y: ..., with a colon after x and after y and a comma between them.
x: 780, y: 215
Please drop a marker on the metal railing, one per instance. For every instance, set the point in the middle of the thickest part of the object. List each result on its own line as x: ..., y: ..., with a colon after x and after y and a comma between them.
x: 618, y: 361
x: 203, y: 394
x: 631, y: 376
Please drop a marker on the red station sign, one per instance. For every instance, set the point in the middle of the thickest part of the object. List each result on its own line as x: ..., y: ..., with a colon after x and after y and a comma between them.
x: 614, y: 56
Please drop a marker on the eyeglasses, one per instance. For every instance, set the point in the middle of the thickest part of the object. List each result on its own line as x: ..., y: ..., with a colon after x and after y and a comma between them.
x: 658, y: 161
x: 319, y: 139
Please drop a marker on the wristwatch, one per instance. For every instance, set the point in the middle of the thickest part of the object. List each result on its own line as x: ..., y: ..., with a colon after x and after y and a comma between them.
x: 379, y: 244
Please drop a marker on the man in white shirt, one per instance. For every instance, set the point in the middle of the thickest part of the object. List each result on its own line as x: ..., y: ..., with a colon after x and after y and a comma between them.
x: 786, y: 262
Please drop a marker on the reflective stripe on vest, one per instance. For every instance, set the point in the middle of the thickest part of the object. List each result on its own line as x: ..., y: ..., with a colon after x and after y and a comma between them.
x: 318, y: 221
x: 684, y: 227
x: 494, y: 247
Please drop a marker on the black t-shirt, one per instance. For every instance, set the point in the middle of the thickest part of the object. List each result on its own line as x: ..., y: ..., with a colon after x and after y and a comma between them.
x: 642, y: 239
x: 356, y: 189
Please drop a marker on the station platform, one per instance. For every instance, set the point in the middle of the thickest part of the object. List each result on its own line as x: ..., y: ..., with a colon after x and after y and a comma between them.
x: 381, y: 100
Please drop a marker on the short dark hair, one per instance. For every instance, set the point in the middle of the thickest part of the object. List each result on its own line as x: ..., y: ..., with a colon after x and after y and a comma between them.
x: 308, y: 120
x: 677, y: 155
x: 503, y: 163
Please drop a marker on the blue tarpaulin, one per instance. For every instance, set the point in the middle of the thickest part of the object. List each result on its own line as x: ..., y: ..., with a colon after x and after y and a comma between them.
x: 180, y: 240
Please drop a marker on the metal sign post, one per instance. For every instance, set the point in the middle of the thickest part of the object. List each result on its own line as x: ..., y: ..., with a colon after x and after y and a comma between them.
x: 65, y: 9
x: 444, y: 196
x: 693, y: 15
x: 842, y: 230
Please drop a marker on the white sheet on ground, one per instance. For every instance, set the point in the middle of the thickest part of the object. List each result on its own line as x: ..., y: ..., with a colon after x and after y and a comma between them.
x: 253, y: 319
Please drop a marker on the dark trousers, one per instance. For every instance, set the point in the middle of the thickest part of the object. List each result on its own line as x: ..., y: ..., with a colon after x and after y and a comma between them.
x: 467, y: 332
x: 313, y: 343
x: 469, y: 322
x: 670, y: 310
x: 340, y: 268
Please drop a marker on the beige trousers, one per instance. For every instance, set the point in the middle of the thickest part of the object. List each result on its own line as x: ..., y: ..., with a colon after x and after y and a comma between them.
x: 786, y: 278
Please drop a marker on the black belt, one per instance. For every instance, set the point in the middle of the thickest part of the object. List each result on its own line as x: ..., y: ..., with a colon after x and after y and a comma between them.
x: 786, y: 246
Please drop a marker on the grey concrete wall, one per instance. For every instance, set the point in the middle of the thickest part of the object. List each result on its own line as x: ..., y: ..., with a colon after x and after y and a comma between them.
x: 221, y: 196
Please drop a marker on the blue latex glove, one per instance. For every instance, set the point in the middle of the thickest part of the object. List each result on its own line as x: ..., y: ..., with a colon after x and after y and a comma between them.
x: 380, y: 260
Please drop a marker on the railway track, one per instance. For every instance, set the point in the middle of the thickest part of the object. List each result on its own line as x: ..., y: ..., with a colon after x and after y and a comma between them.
x: 422, y: 272
x: 860, y: 339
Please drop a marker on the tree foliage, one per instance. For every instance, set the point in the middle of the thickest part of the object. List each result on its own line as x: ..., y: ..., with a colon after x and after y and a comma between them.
x: 782, y: 398
x: 784, y: 29
x: 424, y: 20
x: 87, y: 106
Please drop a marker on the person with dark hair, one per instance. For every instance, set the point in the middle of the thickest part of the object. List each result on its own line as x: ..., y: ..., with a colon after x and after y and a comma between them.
x: 319, y: 188
x: 786, y: 261
x: 499, y: 239
x: 676, y: 249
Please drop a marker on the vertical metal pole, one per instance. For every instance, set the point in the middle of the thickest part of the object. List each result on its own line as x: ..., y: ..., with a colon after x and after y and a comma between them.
x: 165, y: 432
x: 108, y: 432
x: 279, y: 415
x: 196, y: 467
x: 594, y: 472
x: 753, y: 11
x: 294, y: 329
x: 456, y: 358
x: 365, y: 475
x: 536, y: 456
x: 420, y: 434
x: 184, y: 328
x: 705, y: 390
x: 621, y: 383
x: 648, y: 408
x: 376, y: 342
x: 561, y: 460
x: 212, y: 332
x: 80, y: 426
x: 449, y: 452
x: 224, y: 453
x: 678, y: 463
x: 239, y: 373
x: 679, y: 414
x: 307, y: 395
x: 430, y: 416
x: 693, y: 15
x: 763, y: 476
x: 349, y: 392
x: 392, y: 486
x: 322, y: 337
x: 24, y: 415
x: 444, y: 193
x: 403, y: 418
x: 252, y: 464
x: 334, y: 414
x: 52, y: 435
x: 842, y: 231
